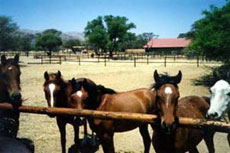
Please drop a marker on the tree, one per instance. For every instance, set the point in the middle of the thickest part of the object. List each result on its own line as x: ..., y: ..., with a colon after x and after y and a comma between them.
x: 212, y: 34
x: 72, y: 42
x: 25, y: 42
x: 108, y: 32
x: 142, y: 39
x: 117, y: 28
x: 97, y: 35
x: 49, y: 40
x: 8, y: 33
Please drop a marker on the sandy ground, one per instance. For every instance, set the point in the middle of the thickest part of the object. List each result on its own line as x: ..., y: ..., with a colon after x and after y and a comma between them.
x: 121, y: 77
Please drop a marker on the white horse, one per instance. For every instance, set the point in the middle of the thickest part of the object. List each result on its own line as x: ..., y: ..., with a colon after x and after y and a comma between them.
x: 220, y: 100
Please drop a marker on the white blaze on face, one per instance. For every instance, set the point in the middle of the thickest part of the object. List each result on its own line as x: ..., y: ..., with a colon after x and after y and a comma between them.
x: 79, y: 94
x: 168, y: 92
x: 9, y: 68
x: 51, y: 88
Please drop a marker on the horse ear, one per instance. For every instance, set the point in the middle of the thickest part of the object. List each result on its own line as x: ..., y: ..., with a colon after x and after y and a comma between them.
x: 46, y: 76
x: 156, y: 76
x: 178, y: 78
x: 16, y: 58
x: 73, y: 81
x: 59, y: 74
x: 3, y: 60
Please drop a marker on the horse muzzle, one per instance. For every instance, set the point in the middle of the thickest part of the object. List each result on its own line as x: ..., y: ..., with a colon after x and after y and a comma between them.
x: 213, y: 115
x: 169, y: 128
x: 16, y: 99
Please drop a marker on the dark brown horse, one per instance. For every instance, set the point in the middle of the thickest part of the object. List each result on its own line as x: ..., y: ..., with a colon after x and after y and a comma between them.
x: 10, y: 93
x: 57, y: 93
x: 96, y: 97
x: 167, y: 136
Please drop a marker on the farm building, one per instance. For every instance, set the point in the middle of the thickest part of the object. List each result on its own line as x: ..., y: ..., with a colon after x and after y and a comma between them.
x: 167, y: 46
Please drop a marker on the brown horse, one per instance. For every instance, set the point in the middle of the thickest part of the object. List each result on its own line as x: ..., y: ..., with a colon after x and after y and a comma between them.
x: 10, y: 93
x: 57, y: 93
x: 167, y: 136
x: 96, y: 97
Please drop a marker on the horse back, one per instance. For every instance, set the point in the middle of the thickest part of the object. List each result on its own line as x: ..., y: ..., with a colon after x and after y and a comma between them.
x: 192, y: 106
x: 135, y: 101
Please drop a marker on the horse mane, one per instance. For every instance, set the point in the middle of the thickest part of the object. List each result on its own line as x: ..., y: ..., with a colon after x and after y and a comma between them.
x: 104, y: 90
x: 165, y: 79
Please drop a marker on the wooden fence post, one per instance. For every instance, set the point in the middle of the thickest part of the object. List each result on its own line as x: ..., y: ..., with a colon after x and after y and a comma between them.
x: 105, y: 59
x: 134, y: 61
x: 197, y: 61
x: 60, y: 60
x: 79, y: 60
x: 165, y: 61
x: 98, y: 58
x: 147, y: 59
x: 41, y: 60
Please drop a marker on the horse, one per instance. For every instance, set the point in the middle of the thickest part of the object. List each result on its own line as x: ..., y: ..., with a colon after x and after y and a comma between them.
x: 167, y: 136
x: 57, y: 93
x: 97, y: 97
x: 10, y: 93
x: 219, y: 102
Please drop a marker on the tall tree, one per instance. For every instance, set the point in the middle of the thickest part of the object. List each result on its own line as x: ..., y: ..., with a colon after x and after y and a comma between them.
x: 97, y: 35
x: 212, y: 34
x: 108, y: 32
x: 49, y: 40
x: 117, y: 28
x: 8, y: 33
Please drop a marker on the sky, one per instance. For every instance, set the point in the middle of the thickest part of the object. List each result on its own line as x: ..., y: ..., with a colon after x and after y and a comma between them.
x: 166, y: 18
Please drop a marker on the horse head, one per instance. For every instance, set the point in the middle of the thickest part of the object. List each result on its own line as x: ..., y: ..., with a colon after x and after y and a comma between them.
x: 85, y: 93
x: 220, y: 99
x: 10, y: 79
x: 167, y: 95
x: 55, y: 89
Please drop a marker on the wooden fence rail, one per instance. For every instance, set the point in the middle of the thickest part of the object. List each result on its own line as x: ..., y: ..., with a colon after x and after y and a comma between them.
x: 184, y: 122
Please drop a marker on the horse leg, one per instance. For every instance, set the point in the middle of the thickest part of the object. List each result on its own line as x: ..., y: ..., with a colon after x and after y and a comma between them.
x: 107, y: 142
x: 76, y: 137
x: 193, y: 150
x: 208, y: 138
x: 85, y: 127
x: 61, y: 125
x: 145, y: 136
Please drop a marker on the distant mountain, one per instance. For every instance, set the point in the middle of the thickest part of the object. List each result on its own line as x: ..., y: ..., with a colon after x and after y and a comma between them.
x: 65, y: 36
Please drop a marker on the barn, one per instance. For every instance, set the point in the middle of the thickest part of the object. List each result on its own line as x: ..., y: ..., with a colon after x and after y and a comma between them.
x: 167, y: 46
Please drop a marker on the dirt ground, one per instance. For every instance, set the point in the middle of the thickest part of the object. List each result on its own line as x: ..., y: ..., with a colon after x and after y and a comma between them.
x: 121, y: 77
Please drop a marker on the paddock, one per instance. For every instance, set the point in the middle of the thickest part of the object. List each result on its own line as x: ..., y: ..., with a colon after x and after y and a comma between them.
x: 119, y: 76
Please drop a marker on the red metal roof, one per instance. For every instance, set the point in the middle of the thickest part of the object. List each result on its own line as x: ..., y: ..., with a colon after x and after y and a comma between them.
x: 168, y: 43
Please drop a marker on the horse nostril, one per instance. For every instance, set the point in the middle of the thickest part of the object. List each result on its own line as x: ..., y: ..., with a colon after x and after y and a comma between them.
x: 215, y: 114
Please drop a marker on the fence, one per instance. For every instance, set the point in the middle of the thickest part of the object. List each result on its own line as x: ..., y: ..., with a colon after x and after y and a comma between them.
x: 131, y: 58
x: 184, y: 122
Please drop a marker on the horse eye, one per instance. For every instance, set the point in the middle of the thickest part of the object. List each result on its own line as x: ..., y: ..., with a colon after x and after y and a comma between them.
x: 228, y: 94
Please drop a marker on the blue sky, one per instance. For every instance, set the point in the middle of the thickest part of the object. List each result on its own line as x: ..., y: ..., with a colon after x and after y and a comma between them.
x: 167, y: 18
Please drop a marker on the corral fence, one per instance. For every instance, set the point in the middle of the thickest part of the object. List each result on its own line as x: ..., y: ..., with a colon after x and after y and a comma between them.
x: 122, y: 57
x: 135, y: 117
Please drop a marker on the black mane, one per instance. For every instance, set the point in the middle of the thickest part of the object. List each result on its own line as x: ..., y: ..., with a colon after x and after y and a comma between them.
x: 164, y: 79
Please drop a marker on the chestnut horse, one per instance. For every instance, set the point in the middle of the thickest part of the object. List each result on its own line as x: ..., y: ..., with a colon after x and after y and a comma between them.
x: 167, y: 136
x: 96, y: 97
x: 57, y: 93
x: 10, y: 93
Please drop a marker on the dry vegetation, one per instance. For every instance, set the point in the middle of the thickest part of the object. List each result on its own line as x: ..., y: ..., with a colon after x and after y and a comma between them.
x: 121, y: 77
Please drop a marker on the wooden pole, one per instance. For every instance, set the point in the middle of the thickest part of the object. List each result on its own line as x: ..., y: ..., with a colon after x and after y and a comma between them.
x: 197, y: 61
x: 165, y: 61
x: 134, y: 61
x: 105, y: 59
x: 184, y: 122
x: 79, y: 60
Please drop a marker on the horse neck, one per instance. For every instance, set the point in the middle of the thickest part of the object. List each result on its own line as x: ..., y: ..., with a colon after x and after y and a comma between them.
x: 4, y: 94
x: 62, y: 96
